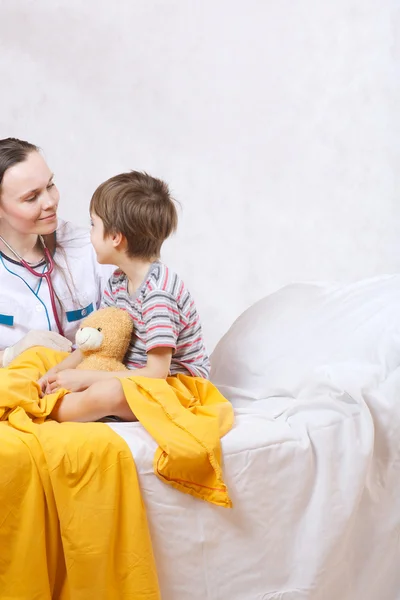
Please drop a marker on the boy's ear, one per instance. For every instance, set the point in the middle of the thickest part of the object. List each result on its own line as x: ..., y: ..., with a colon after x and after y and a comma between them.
x: 117, y: 239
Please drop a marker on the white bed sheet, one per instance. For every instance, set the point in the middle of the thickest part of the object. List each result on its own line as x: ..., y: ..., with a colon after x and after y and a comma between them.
x: 315, y: 483
x: 312, y: 464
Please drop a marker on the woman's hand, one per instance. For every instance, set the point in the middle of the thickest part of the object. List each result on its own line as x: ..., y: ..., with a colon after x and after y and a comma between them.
x: 49, y: 339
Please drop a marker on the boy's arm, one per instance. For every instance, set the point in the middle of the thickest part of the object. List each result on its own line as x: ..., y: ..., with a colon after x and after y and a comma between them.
x: 70, y: 362
x: 157, y: 367
x: 162, y: 340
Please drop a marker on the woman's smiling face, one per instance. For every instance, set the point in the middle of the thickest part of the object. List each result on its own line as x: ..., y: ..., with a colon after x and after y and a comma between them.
x: 29, y: 198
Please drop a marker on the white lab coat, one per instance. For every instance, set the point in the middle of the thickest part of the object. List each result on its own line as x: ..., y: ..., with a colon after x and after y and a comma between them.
x: 78, y: 282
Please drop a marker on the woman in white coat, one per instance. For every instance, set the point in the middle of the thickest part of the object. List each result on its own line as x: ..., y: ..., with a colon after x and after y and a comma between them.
x: 49, y: 277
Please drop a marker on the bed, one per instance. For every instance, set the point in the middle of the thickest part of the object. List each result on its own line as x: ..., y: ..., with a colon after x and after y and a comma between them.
x: 312, y: 463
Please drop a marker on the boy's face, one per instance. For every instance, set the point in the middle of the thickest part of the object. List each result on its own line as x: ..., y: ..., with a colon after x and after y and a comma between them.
x: 103, y: 247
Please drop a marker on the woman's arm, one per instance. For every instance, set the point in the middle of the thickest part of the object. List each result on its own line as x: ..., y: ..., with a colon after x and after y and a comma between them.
x: 48, y: 339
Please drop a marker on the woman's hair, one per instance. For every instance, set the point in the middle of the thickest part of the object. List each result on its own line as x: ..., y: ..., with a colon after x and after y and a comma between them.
x: 12, y: 152
x: 138, y: 206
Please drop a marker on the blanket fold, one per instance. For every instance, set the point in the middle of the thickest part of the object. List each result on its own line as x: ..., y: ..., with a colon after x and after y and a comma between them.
x: 186, y: 416
x: 72, y: 521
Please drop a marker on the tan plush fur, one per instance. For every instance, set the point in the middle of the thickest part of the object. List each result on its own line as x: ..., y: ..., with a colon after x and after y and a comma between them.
x: 103, y: 339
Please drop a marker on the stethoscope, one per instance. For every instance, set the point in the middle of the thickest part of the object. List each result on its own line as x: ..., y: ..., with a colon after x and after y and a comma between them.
x: 44, y: 275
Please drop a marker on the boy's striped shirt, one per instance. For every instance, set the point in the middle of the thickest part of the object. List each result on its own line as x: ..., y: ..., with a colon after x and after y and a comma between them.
x: 164, y: 315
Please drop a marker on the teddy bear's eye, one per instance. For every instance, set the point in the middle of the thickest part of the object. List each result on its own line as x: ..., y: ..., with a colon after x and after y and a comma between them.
x: 99, y: 329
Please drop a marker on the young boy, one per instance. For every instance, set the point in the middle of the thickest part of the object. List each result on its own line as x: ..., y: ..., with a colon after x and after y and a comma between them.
x: 132, y: 215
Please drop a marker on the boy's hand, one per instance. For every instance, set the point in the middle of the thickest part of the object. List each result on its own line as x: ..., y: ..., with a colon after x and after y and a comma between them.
x: 72, y: 380
x: 43, y: 381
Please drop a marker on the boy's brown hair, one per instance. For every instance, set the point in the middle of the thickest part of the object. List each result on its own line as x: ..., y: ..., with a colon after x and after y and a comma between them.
x: 138, y: 206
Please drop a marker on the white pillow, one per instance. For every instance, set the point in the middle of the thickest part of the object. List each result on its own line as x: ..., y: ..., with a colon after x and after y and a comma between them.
x: 291, y: 337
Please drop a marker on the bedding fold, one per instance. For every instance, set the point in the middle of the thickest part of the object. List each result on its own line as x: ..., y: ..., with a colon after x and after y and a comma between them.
x: 72, y: 521
x: 186, y: 416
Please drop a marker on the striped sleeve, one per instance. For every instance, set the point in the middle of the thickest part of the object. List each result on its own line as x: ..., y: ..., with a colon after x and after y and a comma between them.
x: 161, y: 320
x: 108, y: 296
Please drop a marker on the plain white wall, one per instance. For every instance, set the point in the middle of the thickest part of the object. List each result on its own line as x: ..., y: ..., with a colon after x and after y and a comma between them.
x: 275, y: 122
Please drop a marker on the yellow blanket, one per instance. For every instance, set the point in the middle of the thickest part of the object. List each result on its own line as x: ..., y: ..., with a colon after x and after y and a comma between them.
x: 186, y: 416
x: 72, y: 521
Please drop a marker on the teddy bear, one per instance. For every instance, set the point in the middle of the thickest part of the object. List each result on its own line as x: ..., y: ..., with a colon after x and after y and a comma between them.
x: 104, y: 338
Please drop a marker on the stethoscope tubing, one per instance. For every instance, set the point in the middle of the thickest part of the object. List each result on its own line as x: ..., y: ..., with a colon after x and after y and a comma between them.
x: 42, y: 275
